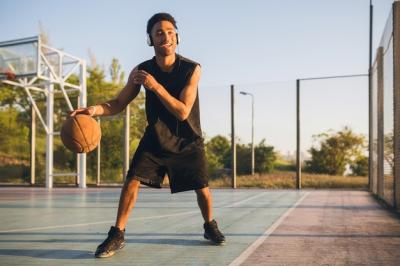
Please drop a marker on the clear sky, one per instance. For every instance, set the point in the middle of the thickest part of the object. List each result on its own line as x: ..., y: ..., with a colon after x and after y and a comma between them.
x: 260, y: 46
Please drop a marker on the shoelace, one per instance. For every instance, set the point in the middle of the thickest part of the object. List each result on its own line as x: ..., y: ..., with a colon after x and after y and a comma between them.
x: 108, y: 242
x: 216, y: 231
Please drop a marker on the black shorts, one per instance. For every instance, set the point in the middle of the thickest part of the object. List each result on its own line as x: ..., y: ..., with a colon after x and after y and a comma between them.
x: 186, y: 170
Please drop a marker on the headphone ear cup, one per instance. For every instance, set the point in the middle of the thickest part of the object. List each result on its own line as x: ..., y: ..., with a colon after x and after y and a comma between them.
x: 178, y: 40
x: 149, y: 40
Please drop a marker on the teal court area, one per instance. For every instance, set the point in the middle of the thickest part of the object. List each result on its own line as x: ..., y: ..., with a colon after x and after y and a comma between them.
x: 63, y: 226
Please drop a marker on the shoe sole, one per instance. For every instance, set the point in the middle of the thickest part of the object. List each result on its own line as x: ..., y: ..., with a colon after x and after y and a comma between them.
x: 109, y: 254
x: 215, y: 243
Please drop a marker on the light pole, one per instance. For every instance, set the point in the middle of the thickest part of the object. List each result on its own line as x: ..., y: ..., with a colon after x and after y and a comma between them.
x: 252, y: 129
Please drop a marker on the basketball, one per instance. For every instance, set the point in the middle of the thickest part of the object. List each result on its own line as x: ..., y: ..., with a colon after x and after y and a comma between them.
x: 80, y: 133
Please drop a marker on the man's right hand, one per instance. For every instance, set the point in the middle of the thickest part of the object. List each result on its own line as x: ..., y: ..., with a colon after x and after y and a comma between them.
x: 91, y: 110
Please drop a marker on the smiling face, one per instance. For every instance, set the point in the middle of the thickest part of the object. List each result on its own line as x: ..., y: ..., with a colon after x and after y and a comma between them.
x: 164, y: 39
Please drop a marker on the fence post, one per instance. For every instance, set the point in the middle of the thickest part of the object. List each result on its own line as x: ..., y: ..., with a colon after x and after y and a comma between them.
x: 33, y: 145
x: 233, y: 141
x: 380, y: 148
x: 370, y: 143
x: 298, y: 153
x: 396, y: 93
x: 126, y: 142
x: 98, y: 158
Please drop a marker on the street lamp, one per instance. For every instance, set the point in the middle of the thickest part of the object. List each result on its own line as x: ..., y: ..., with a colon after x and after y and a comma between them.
x: 252, y: 129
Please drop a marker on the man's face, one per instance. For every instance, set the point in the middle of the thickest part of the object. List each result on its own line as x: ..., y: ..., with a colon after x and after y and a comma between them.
x: 164, y: 38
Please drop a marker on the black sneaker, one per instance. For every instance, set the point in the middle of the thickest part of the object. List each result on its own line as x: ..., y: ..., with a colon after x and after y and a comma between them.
x: 211, y: 232
x: 113, y: 242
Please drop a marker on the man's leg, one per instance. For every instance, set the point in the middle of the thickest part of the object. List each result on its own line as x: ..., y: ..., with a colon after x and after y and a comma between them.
x: 127, y: 202
x: 115, y: 239
x: 204, y: 200
x: 211, y: 231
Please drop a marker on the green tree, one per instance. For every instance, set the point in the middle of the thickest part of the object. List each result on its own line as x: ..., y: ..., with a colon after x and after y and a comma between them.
x: 360, y: 166
x: 15, y: 121
x: 217, y: 154
x: 15, y: 135
x: 14, y: 97
x: 335, y: 151
x: 264, y: 158
x: 112, y: 127
x: 117, y: 76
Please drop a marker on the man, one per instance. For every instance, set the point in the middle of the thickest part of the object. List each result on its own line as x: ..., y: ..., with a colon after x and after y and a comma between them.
x: 172, y: 142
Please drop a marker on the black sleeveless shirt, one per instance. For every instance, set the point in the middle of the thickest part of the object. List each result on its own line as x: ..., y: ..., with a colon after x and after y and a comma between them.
x: 173, y: 135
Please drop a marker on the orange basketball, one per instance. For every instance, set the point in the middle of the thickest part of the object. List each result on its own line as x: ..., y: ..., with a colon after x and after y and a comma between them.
x: 80, y: 133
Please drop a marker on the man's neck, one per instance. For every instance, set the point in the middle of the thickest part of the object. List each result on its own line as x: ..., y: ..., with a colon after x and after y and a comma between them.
x: 166, y: 63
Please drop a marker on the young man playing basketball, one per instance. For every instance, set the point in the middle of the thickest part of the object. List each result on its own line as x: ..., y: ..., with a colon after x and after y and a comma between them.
x: 172, y: 142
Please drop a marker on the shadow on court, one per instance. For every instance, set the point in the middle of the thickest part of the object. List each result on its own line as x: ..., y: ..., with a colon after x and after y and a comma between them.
x: 155, y: 241
x: 48, y: 254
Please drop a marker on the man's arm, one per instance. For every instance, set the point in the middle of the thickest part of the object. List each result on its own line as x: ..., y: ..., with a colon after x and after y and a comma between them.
x: 126, y: 95
x: 181, y: 107
x: 116, y: 105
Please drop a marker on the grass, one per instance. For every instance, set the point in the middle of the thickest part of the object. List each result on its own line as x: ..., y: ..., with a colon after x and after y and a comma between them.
x: 17, y: 172
x: 282, y: 180
x: 277, y: 180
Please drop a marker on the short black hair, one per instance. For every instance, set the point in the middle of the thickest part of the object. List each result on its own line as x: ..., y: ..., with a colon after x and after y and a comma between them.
x: 157, y: 18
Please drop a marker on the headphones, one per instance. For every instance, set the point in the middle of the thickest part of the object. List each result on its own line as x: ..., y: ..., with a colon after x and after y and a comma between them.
x: 150, y: 40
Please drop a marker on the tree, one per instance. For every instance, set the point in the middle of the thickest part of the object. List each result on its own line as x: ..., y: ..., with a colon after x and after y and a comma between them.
x: 102, y: 90
x: 217, y: 154
x: 360, y: 166
x: 264, y: 158
x: 117, y: 76
x: 336, y: 150
x: 15, y: 121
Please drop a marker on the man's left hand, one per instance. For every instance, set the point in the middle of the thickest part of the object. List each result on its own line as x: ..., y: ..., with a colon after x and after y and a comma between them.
x: 147, y: 80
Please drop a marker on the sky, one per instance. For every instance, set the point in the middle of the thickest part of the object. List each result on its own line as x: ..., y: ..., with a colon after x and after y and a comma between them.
x: 261, y: 47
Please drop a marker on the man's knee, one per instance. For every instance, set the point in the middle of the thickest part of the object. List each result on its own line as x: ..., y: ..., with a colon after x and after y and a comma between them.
x: 132, y: 184
x: 203, y: 192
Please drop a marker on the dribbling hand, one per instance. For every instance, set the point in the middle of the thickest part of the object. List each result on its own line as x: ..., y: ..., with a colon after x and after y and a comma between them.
x: 91, y: 110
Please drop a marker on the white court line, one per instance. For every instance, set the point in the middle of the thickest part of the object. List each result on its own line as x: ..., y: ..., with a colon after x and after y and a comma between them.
x: 247, y: 199
x: 102, y: 222
x: 107, y: 222
x: 245, y: 254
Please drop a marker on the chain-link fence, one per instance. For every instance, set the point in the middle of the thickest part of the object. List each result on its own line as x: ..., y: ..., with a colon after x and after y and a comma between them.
x: 334, y: 126
x: 265, y: 131
x: 384, y: 133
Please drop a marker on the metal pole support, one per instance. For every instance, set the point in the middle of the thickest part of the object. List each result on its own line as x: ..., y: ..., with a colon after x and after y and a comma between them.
x: 233, y: 141
x: 126, y: 142
x: 49, y: 135
x: 82, y: 103
x: 298, y: 154
x: 33, y: 145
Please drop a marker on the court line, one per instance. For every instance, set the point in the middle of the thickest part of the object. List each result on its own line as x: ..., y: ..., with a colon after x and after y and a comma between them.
x: 245, y: 254
x: 245, y: 200
x: 94, y: 223
x: 112, y: 221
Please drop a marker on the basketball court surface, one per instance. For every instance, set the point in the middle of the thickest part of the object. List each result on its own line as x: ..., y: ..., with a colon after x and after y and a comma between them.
x: 63, y: 226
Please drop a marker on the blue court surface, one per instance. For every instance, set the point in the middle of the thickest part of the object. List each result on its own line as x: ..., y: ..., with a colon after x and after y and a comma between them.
x: 63, y: 226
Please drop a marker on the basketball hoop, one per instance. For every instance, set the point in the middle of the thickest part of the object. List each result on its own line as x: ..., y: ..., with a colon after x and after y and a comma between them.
x: 7, y: 74
x: 30, y: 65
